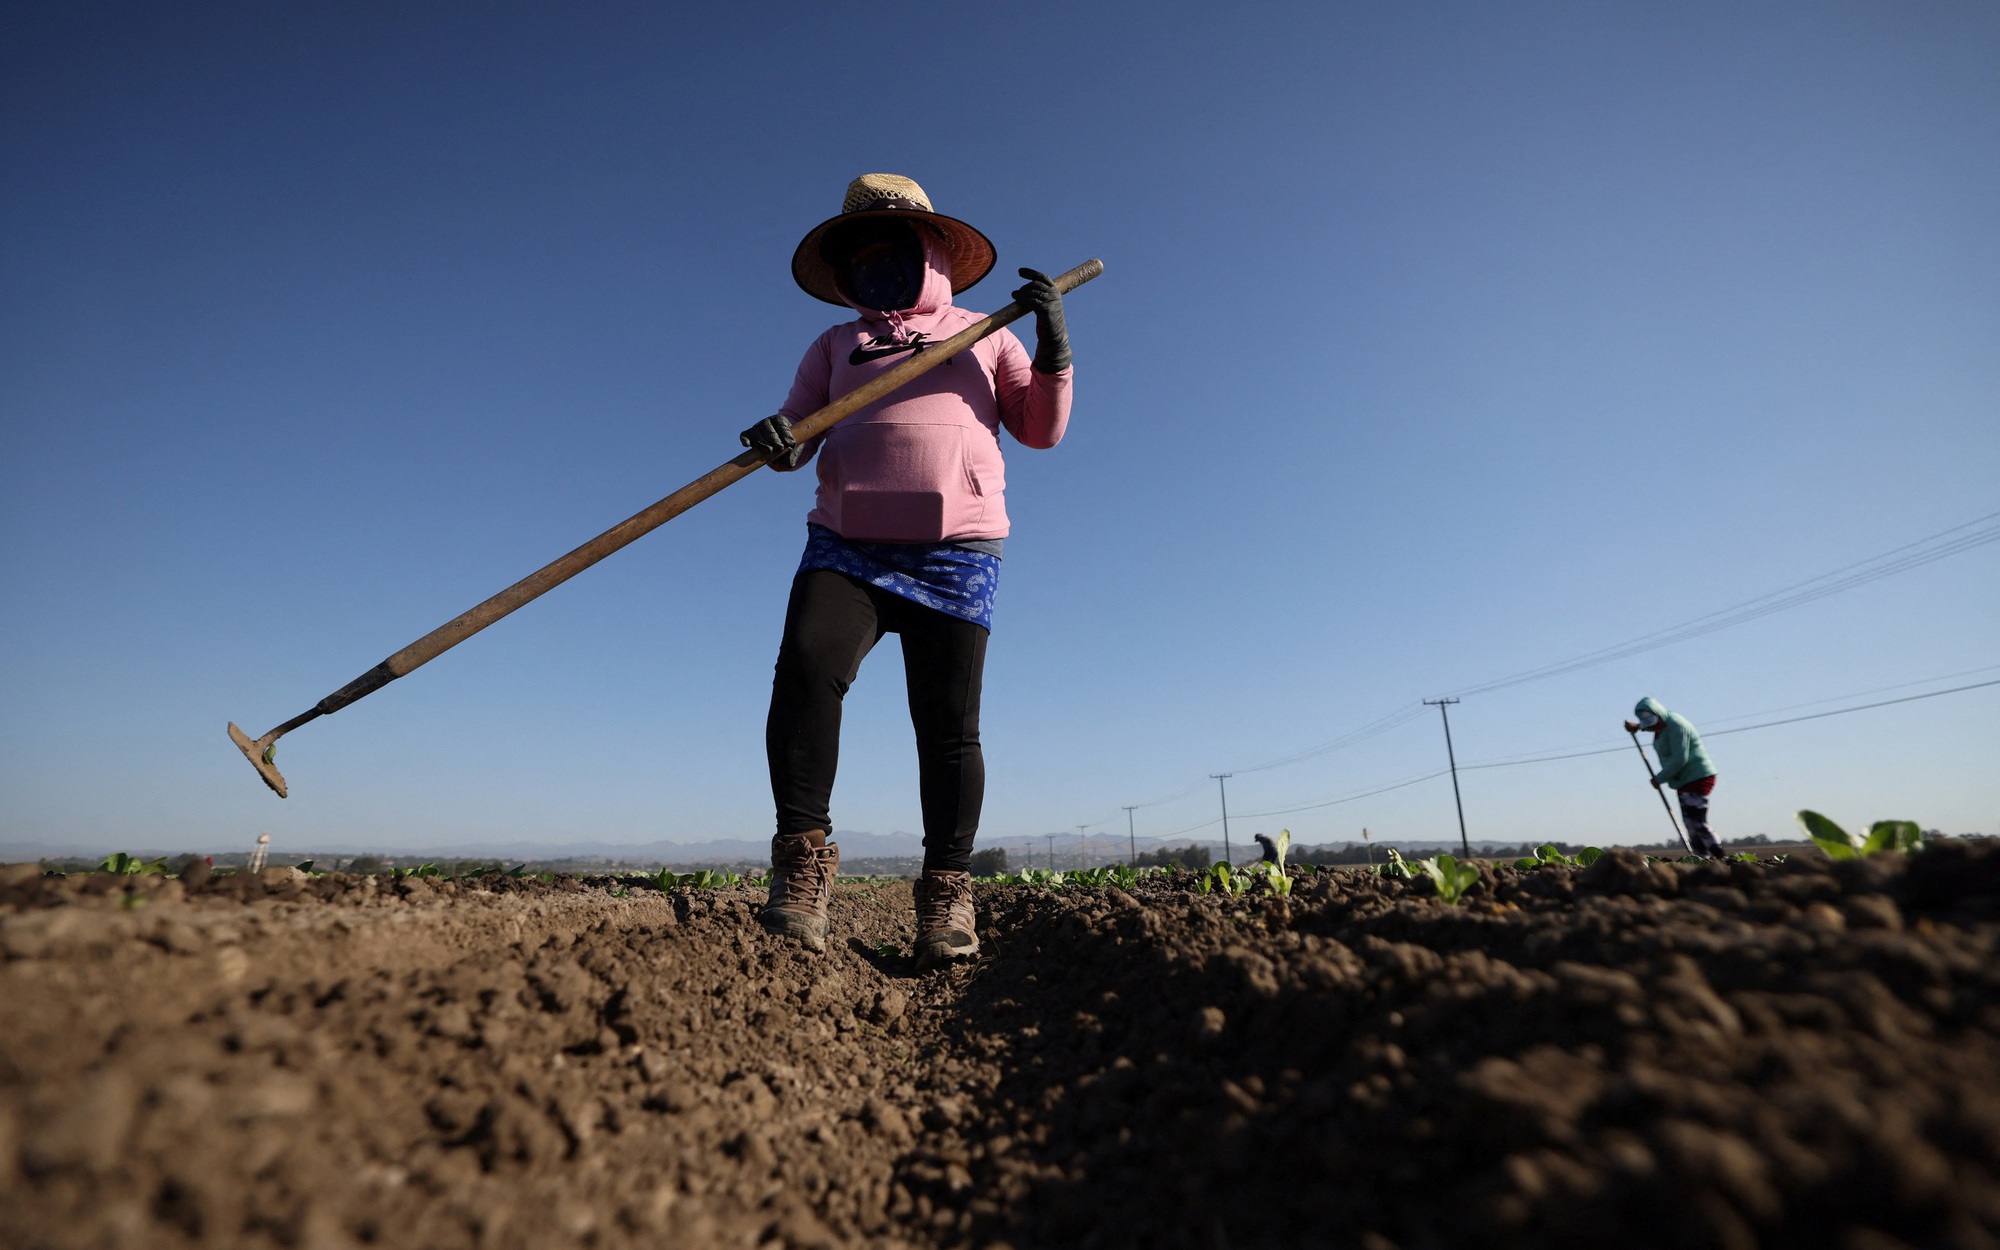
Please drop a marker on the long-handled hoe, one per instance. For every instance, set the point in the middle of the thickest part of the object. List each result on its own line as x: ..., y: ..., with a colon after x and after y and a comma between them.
x: 1656, y: 790
x: 259, y: 751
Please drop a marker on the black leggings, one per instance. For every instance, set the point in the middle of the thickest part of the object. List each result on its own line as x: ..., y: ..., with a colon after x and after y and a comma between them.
x: 832, y: 622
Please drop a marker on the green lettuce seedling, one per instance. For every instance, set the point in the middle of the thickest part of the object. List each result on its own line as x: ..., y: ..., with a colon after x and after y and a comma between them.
x: 1399, y: 867
x: 1222, y: 880
x: 1452, y: 877
x: 1275, y: 877
x: 1119, y: 875
x: 133, y: 866
x: 700, y: 879
x: 1545, y: 854
x: 1883, y: 835
x: 1273, y: 874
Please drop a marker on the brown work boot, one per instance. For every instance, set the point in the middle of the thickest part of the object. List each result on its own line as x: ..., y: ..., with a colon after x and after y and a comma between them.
x: 802, y: 869
x: 944, y: 919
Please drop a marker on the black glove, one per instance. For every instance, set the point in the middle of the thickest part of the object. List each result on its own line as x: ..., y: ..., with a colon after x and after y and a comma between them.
x: 1051, y: 339
x: 773, y: 437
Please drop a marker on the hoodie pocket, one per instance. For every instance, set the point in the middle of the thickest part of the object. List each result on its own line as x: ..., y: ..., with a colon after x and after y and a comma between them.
x: 898, y: 482
x: 974, y: 482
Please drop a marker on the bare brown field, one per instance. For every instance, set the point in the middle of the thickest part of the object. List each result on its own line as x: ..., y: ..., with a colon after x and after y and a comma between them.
x: 1632, y: 1054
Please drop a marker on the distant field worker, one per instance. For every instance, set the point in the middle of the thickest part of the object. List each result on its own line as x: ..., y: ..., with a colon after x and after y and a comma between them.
x: 1684, y: 767
x: 905, y: 537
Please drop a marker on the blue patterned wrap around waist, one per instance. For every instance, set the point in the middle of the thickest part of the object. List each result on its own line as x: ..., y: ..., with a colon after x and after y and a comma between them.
x: 955, y: 580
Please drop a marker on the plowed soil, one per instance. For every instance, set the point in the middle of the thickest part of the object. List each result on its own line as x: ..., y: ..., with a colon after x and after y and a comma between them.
x: 1729, y: 1055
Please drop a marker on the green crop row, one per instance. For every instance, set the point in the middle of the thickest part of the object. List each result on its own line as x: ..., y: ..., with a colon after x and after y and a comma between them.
x: 704, y: 879
x: 1236, y: 882
x: 1120, y: 876
x: 1455, y: 877
x: 1546, y: 855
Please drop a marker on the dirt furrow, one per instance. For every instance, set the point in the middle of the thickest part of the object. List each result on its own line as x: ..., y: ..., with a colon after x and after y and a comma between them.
x: 1636, y: 1054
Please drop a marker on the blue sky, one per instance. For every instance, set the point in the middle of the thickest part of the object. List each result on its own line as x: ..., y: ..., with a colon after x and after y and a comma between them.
x: 1435, y: 343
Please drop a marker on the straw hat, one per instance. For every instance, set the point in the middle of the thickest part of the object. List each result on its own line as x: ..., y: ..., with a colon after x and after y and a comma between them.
x: 891, y: 195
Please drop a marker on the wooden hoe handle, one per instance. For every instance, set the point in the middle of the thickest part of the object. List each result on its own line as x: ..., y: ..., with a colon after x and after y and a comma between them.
x: 555, y: 573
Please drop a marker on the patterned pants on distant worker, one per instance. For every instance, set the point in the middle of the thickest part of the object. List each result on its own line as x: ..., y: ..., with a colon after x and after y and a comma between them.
x: 1694, y: 815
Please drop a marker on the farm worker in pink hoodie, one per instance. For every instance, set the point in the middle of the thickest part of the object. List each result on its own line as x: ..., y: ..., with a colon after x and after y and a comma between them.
x: 905, y: 535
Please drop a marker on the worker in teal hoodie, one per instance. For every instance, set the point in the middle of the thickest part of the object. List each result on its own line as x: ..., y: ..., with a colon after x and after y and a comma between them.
x: 1684, y: 766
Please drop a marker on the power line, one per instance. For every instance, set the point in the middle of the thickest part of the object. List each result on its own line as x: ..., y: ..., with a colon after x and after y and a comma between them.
x: 1373, y: 729
x: 1860, y: 573
x: 1545, y: 759
x: 1352, y: 798
x: 1769, y: 724
x: 1856, y: 694
x: 1590, y: 747
x: 1188, y: 829
x: 1886, y: 564
x: 1286, y: 811
x: 1175, y: 797
x: 1863, y: 707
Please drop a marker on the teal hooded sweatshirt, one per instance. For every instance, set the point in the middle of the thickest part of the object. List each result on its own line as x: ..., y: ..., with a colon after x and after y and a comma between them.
x: 1682, y: 759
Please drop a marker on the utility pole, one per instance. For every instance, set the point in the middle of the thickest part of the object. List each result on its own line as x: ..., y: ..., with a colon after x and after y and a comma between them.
x: 1052, y: 852
x: 1132, y: 837
x: 1082, y: 847
x: 1441, y: 704
x: 1222, y: 783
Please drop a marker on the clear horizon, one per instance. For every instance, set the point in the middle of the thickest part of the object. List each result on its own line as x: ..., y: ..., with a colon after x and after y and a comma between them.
x: 1024, y: 851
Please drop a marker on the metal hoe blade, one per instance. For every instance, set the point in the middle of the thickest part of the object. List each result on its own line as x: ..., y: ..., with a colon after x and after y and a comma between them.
x: 255, y: 750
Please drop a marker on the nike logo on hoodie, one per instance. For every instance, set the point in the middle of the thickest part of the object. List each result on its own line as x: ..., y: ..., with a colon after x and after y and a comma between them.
x: 877, y: 348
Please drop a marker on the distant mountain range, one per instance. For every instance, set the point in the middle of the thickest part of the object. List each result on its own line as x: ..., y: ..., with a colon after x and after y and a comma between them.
x: 719, y: 850
x: 1025, y: 850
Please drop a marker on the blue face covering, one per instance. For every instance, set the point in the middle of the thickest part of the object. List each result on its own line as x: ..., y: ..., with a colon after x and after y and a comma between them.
x: 882, y: 261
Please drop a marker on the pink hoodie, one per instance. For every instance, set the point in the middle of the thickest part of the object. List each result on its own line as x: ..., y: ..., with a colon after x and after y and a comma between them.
x: 924, y: 464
